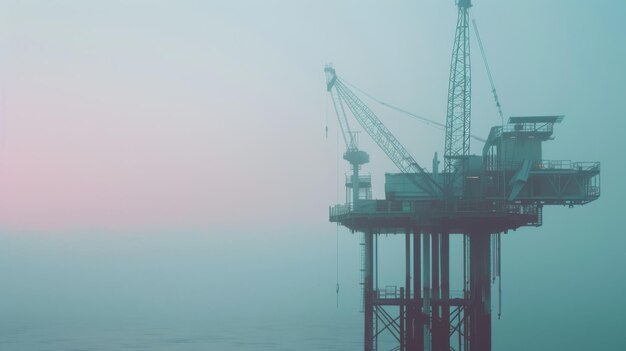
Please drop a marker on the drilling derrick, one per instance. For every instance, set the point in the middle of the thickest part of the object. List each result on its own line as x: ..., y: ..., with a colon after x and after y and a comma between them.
x: 474, y: 199
x: 458, y: 116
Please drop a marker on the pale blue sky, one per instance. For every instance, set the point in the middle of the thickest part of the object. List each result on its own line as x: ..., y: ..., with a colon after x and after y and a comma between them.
x: 189, y: 136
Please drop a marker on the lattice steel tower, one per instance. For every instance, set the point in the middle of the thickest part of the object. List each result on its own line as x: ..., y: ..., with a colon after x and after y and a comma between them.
x: 458, y: 117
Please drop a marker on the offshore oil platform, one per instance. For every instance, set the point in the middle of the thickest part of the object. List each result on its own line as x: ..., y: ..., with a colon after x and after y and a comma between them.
x: 474, y: 197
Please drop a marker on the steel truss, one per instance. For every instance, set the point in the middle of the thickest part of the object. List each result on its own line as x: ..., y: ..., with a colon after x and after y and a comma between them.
x: 432, y: 319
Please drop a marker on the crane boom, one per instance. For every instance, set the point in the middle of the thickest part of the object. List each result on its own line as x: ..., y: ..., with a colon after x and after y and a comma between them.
x: 423, y: 119
x: 383, y: 137
x: 346, y: 133
x: 348, y: 136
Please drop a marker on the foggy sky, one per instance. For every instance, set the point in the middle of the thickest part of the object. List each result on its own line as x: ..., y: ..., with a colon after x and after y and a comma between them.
x: 167, y: 161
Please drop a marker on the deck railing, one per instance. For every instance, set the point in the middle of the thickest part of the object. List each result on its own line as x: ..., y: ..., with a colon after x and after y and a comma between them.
x: 566, y: 165
x: 493, y: 165
x: 527, y: 127
x: 459, y: 206
x: 393, y: 292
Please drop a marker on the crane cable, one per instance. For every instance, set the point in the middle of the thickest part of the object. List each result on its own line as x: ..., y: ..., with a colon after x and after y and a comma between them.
x: 423, y: 119
x: 337, y: 201
x: 493, y: 86
x: 497, y: 244
x: 326, y: 116
x: 337, y: 287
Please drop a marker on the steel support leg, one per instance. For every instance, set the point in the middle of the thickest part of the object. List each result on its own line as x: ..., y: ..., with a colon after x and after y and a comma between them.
x: 368, y: 309
x: 418, y: 324
x: 408, y: 325
x: 445, y: 291
x: 426, y: 279
x: 435, y: 315
x: 480, y: 292
x: 402, y: 321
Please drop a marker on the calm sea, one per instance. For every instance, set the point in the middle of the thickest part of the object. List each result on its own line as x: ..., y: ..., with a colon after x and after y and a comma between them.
x: 264, y: 336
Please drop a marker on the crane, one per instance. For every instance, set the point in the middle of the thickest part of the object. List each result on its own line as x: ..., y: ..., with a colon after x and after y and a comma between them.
x: 353, y: 155
x: 383, y: 137
x: 422, y: 119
